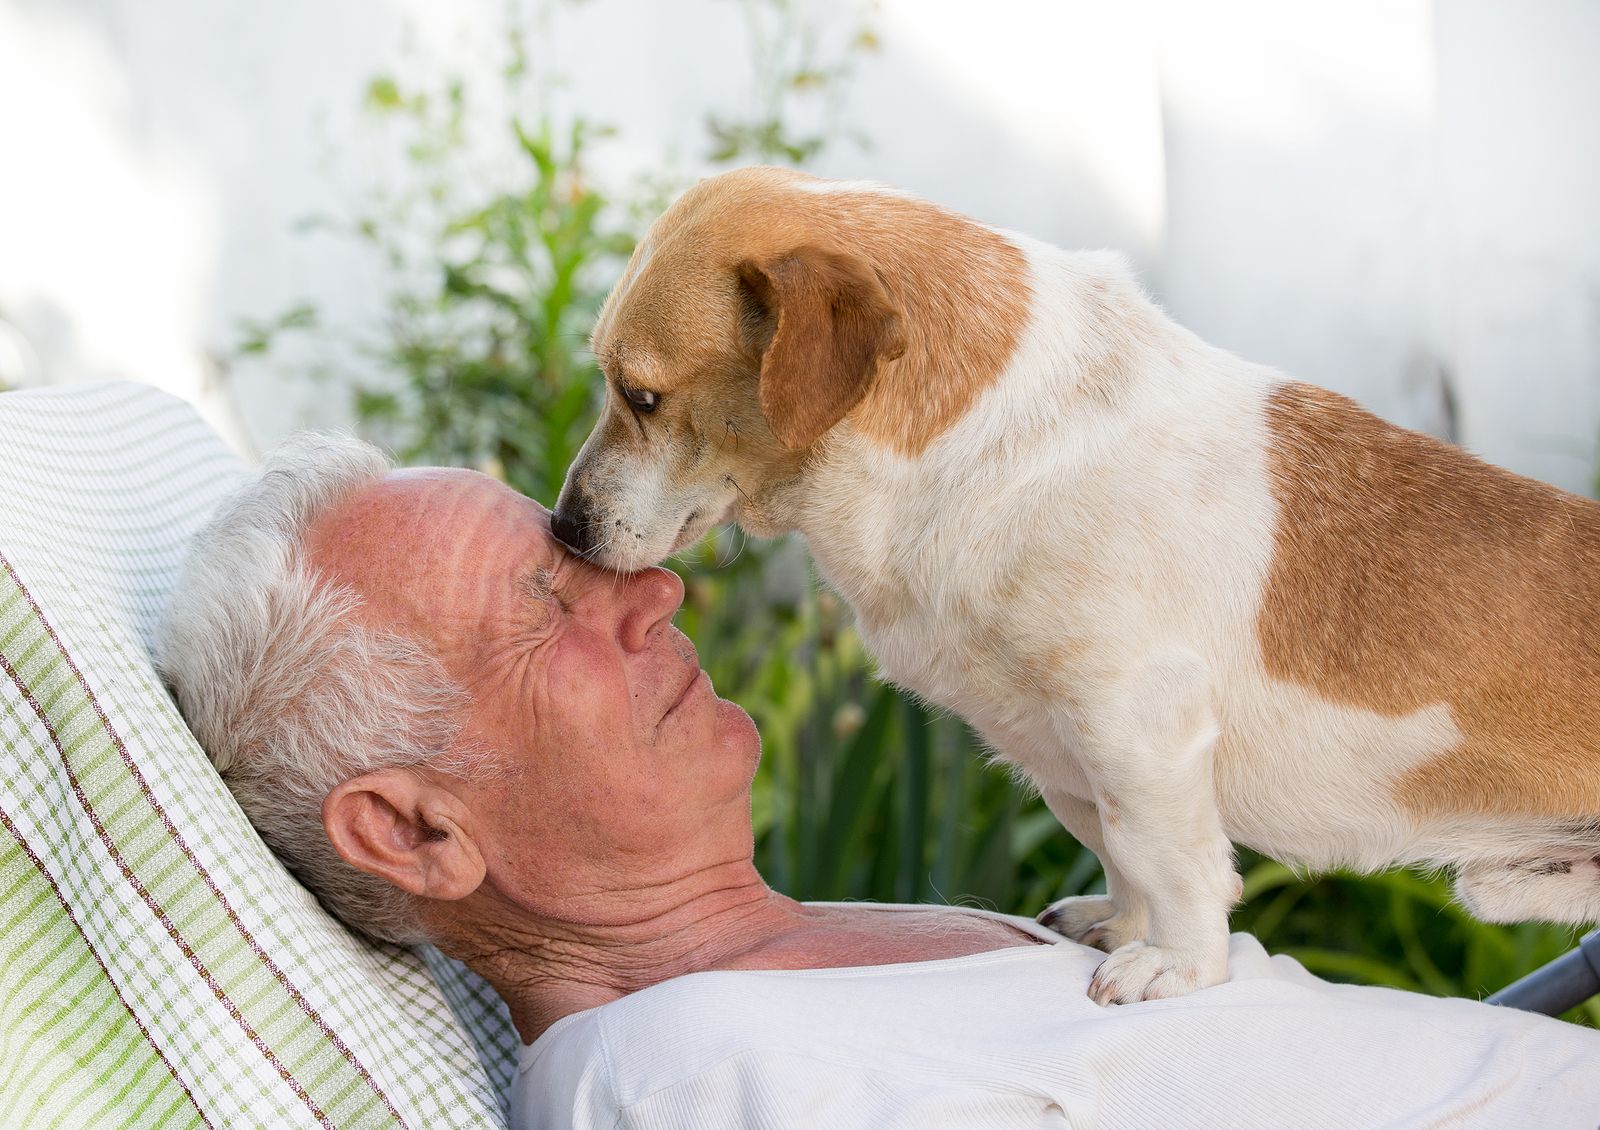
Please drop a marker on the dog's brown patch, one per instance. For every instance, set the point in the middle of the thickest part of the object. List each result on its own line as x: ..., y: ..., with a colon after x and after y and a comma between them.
x: 833, y: 328
x: 1407, y: 573
x: 960, y: 291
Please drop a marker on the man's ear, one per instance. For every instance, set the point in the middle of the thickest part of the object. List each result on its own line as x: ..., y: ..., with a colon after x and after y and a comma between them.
x: 822, y: 323
x: 400, y: 826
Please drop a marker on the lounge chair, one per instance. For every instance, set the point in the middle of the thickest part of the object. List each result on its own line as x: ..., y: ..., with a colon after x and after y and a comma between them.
x: 160, y: 967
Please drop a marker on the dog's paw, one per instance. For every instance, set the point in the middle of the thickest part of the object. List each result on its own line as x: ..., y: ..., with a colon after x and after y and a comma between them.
x: 1140, y: 972
x: 1093, y: 920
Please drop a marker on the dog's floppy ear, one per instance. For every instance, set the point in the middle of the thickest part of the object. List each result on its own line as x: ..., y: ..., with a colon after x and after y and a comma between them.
x: 822, y: 324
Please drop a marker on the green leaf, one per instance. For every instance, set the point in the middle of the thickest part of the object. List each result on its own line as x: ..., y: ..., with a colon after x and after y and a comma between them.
x: 383, y: 94
x: 1264, y: 877
x: 258, y: 338
x: 372, y: 405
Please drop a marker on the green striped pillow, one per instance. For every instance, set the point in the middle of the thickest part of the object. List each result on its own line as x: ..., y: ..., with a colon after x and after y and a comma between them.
x: 160, y: 967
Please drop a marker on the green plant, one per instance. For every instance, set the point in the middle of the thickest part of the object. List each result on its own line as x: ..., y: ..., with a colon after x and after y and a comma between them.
x: 1395, y: 928
x: 480, y: 362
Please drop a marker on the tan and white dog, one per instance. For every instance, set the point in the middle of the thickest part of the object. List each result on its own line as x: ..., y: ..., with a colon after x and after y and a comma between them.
x: 1194, y: 601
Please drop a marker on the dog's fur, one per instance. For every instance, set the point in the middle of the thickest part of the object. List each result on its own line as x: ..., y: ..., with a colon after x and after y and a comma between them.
x: 1192, y: 600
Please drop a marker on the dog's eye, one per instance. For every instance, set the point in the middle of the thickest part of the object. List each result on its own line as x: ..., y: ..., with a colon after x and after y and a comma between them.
x: 643, y: 400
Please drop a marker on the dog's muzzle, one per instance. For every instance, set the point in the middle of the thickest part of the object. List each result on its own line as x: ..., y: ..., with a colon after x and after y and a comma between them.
x: 573, y: 524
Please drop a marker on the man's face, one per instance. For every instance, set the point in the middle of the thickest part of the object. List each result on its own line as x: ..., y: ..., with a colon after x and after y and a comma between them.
x: 617, y: 755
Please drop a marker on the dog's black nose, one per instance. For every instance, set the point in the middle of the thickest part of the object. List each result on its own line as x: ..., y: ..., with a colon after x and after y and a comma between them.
x: 571, y: 527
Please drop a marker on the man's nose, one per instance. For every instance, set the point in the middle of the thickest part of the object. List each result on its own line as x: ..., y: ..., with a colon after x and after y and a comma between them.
x: 652, y: 597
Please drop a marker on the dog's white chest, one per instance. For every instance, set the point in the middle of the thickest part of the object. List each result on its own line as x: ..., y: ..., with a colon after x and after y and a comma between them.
x: 954, y: 606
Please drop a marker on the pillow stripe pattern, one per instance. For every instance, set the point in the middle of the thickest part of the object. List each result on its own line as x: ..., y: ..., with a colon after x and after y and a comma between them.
x: 223, y: 993
x: 48, y: 956
x: 151, y: 853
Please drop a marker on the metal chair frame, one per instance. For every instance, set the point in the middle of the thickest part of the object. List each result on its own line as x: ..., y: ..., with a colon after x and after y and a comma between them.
x: 1564, y: 983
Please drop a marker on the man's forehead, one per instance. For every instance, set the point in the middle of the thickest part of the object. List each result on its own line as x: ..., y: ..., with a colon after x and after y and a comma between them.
x: 419, y: 520
x: 411, y: 493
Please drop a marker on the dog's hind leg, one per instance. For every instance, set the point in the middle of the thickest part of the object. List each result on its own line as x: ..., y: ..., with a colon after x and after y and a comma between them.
x: 1544, y: 890
x: 1104, y: 921
x: 1147, y: 749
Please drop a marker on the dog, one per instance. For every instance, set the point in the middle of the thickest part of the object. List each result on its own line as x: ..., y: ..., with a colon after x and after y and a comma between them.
x: 1195, y: 602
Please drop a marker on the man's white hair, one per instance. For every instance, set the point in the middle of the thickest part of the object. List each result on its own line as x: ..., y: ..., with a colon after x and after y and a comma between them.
x: 286, y: 691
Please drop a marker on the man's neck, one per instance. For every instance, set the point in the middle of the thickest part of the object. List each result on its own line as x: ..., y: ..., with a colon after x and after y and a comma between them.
x: 546, y: 968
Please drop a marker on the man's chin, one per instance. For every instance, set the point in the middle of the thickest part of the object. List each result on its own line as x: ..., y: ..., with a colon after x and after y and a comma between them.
x: 735, y: 726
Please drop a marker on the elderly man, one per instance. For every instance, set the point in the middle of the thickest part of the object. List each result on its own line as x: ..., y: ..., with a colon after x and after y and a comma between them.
x: 454, y: 731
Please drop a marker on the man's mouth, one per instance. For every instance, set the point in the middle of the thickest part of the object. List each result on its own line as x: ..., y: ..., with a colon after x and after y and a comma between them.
x: 688, y: 688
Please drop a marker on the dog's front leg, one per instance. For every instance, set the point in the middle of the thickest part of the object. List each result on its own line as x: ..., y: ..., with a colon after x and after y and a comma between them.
x: 1104, y: 921
x: 1148, y: 753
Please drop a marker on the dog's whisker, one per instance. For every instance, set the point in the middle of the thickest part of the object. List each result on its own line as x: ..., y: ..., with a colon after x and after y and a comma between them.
x: 746, y: 503
x: 616, y: 576
x: 744, y: 540
x: 597, y: 550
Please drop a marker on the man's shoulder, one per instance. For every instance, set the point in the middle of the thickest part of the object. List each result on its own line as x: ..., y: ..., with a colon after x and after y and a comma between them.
x: 743, y: 1032
x: 688, y: 1024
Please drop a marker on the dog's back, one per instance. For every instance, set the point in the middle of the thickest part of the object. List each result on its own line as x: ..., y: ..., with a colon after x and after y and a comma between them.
x: 1407, y: 573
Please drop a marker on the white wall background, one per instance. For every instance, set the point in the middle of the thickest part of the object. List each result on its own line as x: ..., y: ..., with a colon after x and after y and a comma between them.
x: 1382, y: 197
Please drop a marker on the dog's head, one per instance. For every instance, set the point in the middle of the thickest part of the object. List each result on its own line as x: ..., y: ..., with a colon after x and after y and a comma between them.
x: 761, y: 310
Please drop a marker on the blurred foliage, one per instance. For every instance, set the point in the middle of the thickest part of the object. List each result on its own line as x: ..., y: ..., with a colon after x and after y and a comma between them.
x: 800, y: 78
x: 481, y: 361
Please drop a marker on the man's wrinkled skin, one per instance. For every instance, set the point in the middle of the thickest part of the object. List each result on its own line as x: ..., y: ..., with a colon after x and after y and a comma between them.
x: 610, y: 846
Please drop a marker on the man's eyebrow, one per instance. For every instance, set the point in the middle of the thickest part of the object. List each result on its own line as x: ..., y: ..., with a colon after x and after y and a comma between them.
x: 537, y: 583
